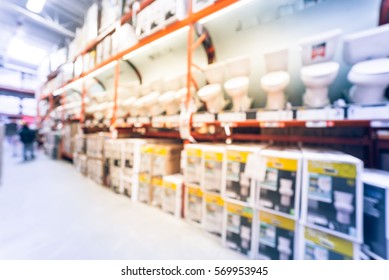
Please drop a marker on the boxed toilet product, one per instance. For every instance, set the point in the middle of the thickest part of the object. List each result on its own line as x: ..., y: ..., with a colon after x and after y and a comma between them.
x: 318, y: 245
x: 239, y: 186
x: 277, y: 237
x: 128, y: 183
x: 238, y: 233
x: 95, y: 145
x: 213, y: 168
x: 95, y: 170
x: 113, y: 152
x: 280, y: 189
x: 193, y: 165
x: 156, y: 189
x: 172, y: 194
x: 144, y: 194
x: 115, y: 180
x: 194, y: 205
x: 376, y: 214
x: 166, y: 159
x: 146, y: 159
x: 132, y: 155
x: 214, y: 213
x: 332, y: 193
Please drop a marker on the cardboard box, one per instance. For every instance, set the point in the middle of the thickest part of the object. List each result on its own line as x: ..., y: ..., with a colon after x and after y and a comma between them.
x: 239, y: 186
x: 132, y: 155
x: 198, y: 5
x: 194, y: 205
x: 214, y: 213
x: 96, y: 170
x: 280, y: 191
x: 166, y: 159
x: 318, y: 245
x: 277, y: 238
x: 95, y: 145
x: 376, y: 214
x: 332, y: 193
x: 193, y: 164
x: 156, y: 191
x: 115, y: 180
x: 172, y: 194
x: 173, y: 10
x: 214, y: 164
x: 144, y: 193
x: 239, y: 232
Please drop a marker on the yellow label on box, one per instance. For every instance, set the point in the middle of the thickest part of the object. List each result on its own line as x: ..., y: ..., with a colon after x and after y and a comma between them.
x: 213, y: 156
x: 214, y: 199
x: 193, y: 152
x: 144, y: 178
x: 146, y: 149
x: 345, y: 170
x: 160, y: 151
x: 237, y: 156
x: 330, y: 242
x: 276, y: 220
x: 157, y: 181
x: 287, y: 164
x: 195, y: 191
x: 169, y: 185
x: 240, y: 210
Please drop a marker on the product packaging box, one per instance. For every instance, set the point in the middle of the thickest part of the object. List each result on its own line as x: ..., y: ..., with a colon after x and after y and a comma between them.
x: 166, y: 159
x: 332, y: 193
x: 115, y: 180
x: 146, y: 159
x: 239, y: 233
x: 194, y: 205
x: 95, y: 171
x: 213, y: 168
x: 239, y: 186
x: 127, y: 185
x: 172, y: 194
x: 156, y: 191
x: 144, y: 194
x: 95, y: 145
x: 214, y: 214
x: 198, y: 5
x: 132, y: 156
x: 113, y: 152
x: 193, y: 164
x: 318, y: 245
x: 376, y: 214
x: 278, y: 237
x: 173, y: 10
x: 281, y: 187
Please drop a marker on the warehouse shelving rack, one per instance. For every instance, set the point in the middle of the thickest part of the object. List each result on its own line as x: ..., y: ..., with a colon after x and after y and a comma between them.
x: 308, y: 132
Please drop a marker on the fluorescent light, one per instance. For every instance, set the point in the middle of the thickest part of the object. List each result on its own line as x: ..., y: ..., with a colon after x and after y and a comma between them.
x: 19, y: 50
x: 156, y: 42
x: 224, y: 11
x: 35, y: 6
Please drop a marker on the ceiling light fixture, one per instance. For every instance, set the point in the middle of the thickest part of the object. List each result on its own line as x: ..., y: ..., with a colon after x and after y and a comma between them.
x: 35, y: 6
x: 21, y: 51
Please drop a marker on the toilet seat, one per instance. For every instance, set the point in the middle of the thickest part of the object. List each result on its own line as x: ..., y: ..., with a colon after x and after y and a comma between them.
x: 275, y: 79
x: 212, y: 95
x: 234, y: 86
x: 372, y: 67
x: 320, y: 69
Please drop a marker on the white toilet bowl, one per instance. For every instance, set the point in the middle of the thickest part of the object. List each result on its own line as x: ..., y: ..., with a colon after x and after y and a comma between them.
x: 284, y: 248
x: 138, y: 109
x: 181, y: 97
x: 274, y: 84
x: 215, y: 73
x: 238, y: 67
x: 169, y: 102
x: 317, y: 78
x: 343, y: 205
x: 286, y: 191
x: 370, y: 79
x: 213, y: 97
x: 237, y: 88
x: 150, y: 103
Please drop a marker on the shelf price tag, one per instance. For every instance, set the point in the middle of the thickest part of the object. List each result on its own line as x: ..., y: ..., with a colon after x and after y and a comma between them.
x: 382, y: 124
x: 271, y: 124
x: 318, y: 124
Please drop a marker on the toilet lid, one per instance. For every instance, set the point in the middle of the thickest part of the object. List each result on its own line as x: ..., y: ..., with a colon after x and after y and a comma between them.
x: 167, y: 97
x: 320, y: 69
x: 372, y: 67
x: 236, y: 83
x: 275, y: 78
x: 209, y: 90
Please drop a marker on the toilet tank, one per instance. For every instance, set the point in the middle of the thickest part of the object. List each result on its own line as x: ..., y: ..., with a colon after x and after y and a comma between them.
x: 276, y: 61
x: 365, y: 45
x: 320, y: 48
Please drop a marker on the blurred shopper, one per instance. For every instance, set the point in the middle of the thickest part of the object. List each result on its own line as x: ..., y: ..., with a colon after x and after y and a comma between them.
x: 27, y: 137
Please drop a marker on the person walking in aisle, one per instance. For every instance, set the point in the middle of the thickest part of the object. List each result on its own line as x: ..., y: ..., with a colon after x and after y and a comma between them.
x: 27, y: 137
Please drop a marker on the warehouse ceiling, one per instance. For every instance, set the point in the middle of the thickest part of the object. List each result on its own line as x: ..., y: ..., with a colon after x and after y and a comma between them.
x: 46, y: 31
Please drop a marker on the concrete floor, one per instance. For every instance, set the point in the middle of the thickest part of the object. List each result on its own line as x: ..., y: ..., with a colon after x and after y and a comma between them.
x: 50, y: 211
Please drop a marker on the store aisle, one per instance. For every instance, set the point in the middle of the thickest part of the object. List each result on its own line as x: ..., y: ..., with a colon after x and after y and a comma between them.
x: 50, y: 211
